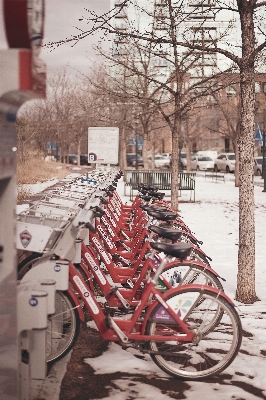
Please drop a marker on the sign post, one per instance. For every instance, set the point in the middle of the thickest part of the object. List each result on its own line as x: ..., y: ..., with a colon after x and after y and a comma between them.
x: 103, y: 145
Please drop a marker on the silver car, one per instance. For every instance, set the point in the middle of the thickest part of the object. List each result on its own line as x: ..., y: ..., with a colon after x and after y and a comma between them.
x: 258, y: 165
x: 202, y: 163
x: 225, y: 162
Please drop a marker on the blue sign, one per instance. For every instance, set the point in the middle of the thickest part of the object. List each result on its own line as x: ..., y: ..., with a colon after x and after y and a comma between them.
x: 51, y: 145
x: 258, y: 132
x: 132, y: 140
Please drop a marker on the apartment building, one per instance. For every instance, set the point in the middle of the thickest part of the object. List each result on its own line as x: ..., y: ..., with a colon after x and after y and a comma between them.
x: 200, y: 23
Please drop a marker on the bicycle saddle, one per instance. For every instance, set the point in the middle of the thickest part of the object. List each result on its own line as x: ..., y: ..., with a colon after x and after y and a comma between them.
x: 145, y: 198
x: 178, y: 250
x: 146, y: 207
x: 162, y: 215
x: 157, y: 195
x: 166, y: 233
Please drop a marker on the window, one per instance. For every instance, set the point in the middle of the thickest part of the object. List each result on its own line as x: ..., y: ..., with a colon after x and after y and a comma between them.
x: 257, y: 87
x: 160, y: 3
x: 201, y: 11
x: 121, y: 14
x: 230, y: 91
x: 204, y: 34
x: 160, y: 62
x: 122, y: 27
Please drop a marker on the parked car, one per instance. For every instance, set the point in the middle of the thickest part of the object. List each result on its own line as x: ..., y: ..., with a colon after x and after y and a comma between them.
x: 258, y: 165
x: 73, y: 159
x: 225, y: 162
x: 183, y: 160
x: 167, y: 155
x: 208, y: 153
x: 131, y: 159
x: 160, y: 161
x: 202, y: 163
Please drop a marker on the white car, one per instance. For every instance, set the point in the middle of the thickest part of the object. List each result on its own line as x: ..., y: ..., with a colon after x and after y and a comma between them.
x: 160, y: 161
x: 167, y: 155
x: 225, y: 162
x: 202, y: 163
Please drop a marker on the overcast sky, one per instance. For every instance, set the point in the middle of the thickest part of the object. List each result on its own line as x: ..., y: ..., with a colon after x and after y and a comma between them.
x: 62, y: 16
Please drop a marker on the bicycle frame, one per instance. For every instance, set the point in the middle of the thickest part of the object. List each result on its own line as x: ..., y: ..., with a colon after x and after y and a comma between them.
x: 134, y: 328
x: 126, y: 296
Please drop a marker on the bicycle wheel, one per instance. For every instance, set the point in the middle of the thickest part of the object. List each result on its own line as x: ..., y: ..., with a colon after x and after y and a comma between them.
x: 193, y: 274
x: 214, y: 346
x: 63, y: 328
x: 64, y: 325
x: 181, y: 274
x: 25, y: 265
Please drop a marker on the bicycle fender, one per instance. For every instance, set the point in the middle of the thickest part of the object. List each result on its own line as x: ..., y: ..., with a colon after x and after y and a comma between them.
x: 198, y: 263
x: 77, y: 304
x: 193, y: 286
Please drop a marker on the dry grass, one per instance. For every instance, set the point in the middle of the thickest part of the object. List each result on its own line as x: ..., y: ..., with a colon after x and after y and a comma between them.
x: 34, y: 170
x: 37, y: 170
x: 23, y: 194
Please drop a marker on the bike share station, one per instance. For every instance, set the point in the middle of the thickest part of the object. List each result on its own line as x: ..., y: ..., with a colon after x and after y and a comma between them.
x: 34, y: 314
x: 50, y: 227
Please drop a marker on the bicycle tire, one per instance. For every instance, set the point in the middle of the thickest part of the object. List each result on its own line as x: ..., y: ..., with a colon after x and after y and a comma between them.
x: 193, y: 274
x: 64, y: 324
x: 190, y: 274
x: 25, y: 265
x: 214, y: 346
x: 63, y: 328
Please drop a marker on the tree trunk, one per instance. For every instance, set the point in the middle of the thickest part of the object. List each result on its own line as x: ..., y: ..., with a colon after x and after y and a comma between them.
x: 188, y: 152
x: 235, y: 147
x: 245, y: 292
x: 122, y: 148
x: 145, y: 146
x: 174, y: 184
x: 78, y: 152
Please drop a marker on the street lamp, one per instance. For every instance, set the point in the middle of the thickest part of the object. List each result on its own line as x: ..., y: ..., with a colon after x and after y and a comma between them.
x: 263, y: 158
x: 263, y: 148
x: 136, y: 140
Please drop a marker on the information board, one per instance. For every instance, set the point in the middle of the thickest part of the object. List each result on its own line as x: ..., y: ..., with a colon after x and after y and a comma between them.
x: 103, y: 145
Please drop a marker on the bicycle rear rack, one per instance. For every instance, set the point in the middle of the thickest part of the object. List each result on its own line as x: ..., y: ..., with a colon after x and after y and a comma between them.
x: 52, y: 224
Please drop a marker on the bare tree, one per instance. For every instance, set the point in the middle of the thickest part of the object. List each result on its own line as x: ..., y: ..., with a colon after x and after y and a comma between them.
x: 249, y: 20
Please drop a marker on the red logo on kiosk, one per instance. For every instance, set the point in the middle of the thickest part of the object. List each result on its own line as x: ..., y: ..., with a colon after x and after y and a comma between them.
x: 25, y: 238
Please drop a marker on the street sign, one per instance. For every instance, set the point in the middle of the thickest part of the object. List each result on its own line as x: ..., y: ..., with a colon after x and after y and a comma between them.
x: 103, y: 145
x: 258, y: 133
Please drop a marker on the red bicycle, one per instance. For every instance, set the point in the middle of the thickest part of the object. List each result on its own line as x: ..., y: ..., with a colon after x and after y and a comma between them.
x: 191, y: 332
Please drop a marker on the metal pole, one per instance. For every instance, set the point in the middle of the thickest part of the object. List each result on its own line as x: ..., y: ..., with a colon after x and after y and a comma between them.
x: 263, y: 161
x: 136, y: 138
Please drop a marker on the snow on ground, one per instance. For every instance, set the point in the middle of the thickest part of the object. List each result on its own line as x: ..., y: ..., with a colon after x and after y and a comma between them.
x: 214, y: 220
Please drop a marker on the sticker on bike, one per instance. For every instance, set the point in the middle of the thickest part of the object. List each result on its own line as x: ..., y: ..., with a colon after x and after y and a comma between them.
x: 25, y: 238
x: 86, y: 295
x: 96, y: 268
